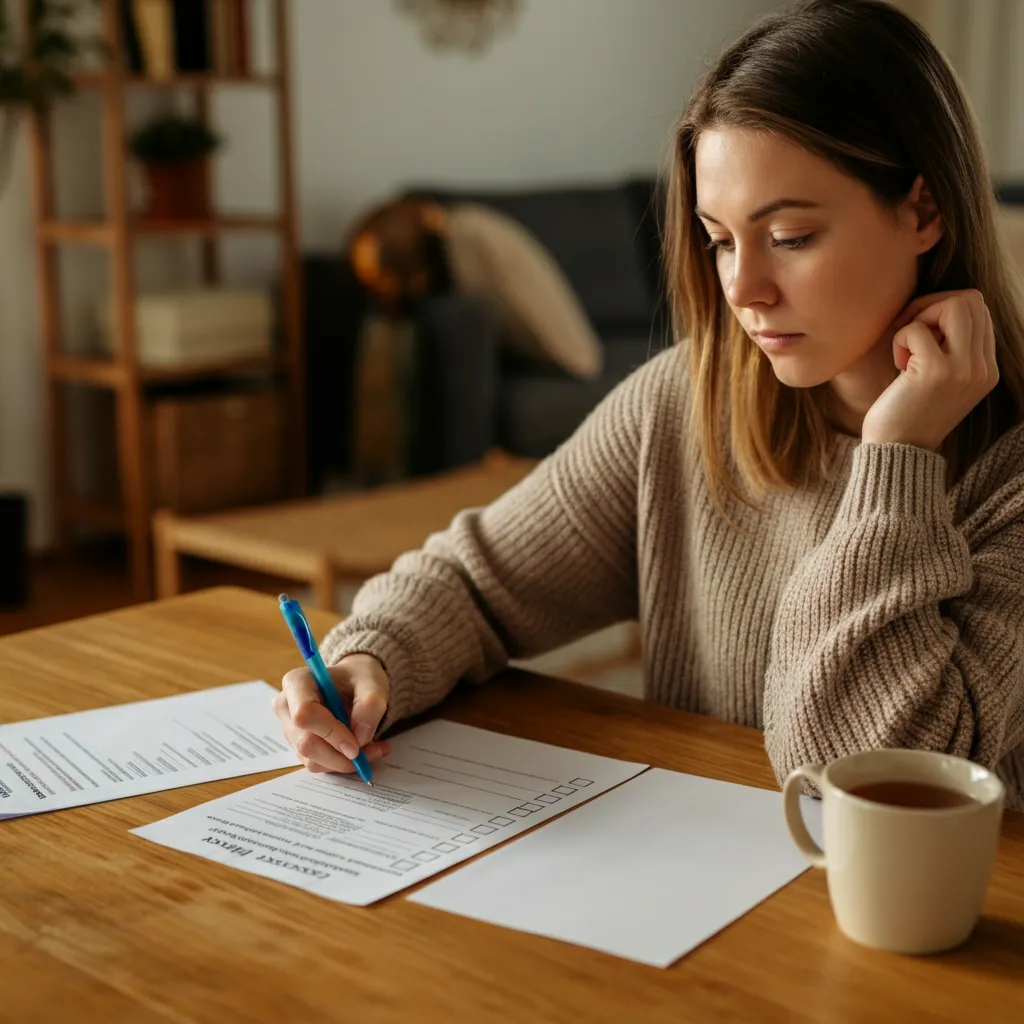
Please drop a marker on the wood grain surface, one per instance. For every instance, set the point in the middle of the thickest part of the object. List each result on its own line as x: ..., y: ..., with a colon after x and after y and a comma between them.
x: 97, y: 925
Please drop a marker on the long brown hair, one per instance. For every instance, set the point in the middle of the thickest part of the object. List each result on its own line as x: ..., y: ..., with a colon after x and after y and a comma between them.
x: 861, y: 84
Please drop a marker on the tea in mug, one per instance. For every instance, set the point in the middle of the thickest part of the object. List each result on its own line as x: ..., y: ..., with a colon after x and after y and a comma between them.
x: 918, y: 795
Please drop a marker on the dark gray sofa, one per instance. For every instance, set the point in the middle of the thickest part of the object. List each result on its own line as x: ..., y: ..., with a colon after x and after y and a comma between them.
x: 476, y: 395
x: 471, y: 394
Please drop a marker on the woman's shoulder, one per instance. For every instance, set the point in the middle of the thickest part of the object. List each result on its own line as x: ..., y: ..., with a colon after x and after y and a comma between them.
x: 653, y: 393
x: 662, y: 380
x: 634, y: 414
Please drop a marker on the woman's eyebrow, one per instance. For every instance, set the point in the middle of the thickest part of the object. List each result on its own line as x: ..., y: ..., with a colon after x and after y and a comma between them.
x: 763, y: 211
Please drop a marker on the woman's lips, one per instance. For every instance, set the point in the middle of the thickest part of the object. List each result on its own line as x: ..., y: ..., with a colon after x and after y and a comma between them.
x: 776, y: 342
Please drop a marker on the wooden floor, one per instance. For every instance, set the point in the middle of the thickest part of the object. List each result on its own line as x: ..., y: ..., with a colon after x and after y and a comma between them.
x: 92, y: 579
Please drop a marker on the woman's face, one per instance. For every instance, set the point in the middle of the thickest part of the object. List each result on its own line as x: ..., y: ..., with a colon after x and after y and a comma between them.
x: 804, y: 250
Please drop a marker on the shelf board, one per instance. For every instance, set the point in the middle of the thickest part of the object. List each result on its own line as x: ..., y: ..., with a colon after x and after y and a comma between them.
x: 94, y: 80
x: 104, y: 372
x: 80, y: 232
x: 102, y: 232
x: 207, y: 371
x: 85, y: 370
x: 211, y: 226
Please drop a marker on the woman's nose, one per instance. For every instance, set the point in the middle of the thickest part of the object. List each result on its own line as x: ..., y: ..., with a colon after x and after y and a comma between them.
x: 749, y: 280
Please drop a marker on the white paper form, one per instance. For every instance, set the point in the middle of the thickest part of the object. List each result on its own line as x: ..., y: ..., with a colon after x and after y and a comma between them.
x: 108, y: 753
x: 646, y: 872
x: 446, y: 792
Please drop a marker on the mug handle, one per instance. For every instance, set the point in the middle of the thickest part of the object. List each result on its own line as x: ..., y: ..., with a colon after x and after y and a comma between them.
x: 794, y: 817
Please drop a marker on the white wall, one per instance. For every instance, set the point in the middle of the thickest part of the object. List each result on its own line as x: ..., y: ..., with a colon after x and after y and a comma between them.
x: 983, y: 40
x: 578, y: 90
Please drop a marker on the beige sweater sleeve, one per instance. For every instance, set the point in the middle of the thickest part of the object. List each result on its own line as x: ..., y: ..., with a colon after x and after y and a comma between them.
x: 552, y: 560
x: 902, y: 629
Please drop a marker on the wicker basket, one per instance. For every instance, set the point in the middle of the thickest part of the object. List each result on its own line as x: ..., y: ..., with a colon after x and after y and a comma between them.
x: 217, y: 451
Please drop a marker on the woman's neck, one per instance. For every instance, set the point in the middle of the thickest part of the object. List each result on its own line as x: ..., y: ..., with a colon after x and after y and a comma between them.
x: 855, y: 390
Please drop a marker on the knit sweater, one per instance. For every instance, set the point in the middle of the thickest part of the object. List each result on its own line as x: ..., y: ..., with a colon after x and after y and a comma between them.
x: 873, y: 609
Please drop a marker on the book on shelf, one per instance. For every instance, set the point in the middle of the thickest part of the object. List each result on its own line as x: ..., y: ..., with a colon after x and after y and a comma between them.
x: 229, y: 28
x: 164, y: 37
x: 155, y: 27
x: 243, y: 34
x: 130, y: 42
x: 220, y: 35
x: 191, y: 39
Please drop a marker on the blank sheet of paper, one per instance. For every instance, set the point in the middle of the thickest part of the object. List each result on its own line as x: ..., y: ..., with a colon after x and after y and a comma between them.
x: 108, y: 753
x: 647, y: 871
x: 446, y: 792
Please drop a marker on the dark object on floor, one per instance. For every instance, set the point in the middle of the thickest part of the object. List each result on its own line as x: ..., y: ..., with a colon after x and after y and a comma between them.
x: 13, y: 550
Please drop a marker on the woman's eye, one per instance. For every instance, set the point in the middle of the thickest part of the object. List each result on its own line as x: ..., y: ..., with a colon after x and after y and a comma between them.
x: 792, y: 243
x: 779, y: 243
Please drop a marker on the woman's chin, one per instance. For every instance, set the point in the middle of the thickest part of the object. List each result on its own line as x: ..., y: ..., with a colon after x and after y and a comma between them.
x: 795, y: 372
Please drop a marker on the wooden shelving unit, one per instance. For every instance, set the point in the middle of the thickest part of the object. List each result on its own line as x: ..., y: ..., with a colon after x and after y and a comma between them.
x: 117, y: 232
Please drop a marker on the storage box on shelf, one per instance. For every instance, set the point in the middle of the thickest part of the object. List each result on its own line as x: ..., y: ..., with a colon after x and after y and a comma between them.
x: 194, y: 327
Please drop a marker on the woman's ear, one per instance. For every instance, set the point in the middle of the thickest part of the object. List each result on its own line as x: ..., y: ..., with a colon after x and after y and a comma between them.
x: 923, y: 216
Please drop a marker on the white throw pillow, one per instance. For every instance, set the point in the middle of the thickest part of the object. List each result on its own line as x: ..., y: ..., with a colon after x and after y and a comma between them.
x: 494, y: 257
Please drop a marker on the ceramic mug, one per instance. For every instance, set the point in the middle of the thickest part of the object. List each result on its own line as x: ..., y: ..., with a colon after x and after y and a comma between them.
x: 909, y: 879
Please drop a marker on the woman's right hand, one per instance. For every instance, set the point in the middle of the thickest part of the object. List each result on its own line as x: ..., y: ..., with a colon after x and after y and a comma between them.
x: 320, y: 740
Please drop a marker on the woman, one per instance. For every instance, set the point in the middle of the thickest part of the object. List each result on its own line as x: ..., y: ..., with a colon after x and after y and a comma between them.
x: 814, y: 502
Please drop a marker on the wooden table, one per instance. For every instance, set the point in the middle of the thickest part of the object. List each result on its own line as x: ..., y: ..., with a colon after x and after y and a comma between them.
x: 346, y: 538
x: 97, y: 925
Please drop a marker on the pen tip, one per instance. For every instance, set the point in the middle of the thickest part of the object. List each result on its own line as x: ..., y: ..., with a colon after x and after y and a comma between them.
x: 370, y: 784
x: 282, y: 598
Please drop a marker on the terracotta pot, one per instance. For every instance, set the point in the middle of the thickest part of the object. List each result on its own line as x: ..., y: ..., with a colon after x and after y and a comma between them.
x: 177, y: 190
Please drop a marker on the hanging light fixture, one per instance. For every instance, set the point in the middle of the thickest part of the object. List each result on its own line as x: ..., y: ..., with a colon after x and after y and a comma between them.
x: 468, y: 25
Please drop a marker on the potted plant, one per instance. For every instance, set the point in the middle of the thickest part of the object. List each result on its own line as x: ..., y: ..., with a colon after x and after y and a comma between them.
x: 37, y: 70
x: 174, y: 153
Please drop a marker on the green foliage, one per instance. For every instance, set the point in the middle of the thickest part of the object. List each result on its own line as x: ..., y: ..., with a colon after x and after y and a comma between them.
x: 41, y: 70
x: 174, y: 139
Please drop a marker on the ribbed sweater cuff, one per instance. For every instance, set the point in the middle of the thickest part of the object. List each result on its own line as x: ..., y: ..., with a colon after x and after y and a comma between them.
x: 895, y: 480
x: 401, y: 699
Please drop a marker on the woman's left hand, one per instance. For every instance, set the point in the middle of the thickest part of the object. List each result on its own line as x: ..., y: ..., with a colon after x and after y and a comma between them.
x: 945, y: 349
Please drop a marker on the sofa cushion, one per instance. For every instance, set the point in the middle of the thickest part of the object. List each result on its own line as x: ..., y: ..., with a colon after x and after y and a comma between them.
x: 593, y: 235
x: 495, y: 258
x: 538, y: 410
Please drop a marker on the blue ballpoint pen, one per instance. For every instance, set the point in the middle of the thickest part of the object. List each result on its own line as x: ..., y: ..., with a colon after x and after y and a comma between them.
x: 293, y: 615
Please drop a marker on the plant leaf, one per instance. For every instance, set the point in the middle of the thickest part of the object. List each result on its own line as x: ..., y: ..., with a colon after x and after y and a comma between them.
x: 41, y: 71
